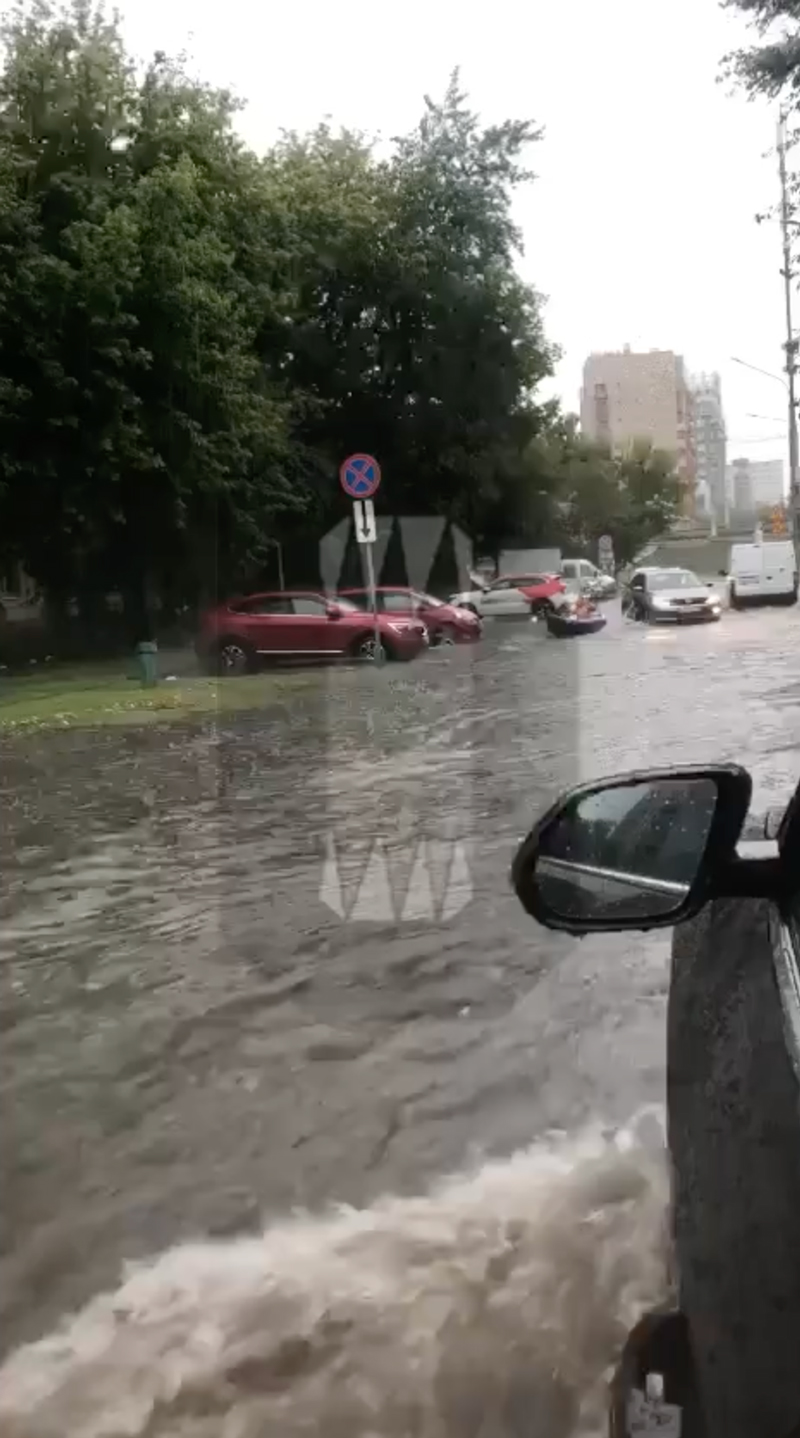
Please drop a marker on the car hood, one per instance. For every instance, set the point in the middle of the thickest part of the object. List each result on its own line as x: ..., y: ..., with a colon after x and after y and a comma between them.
x: 695, y: 592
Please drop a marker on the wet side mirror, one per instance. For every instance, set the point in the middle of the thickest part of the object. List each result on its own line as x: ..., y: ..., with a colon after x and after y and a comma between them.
x: 334, y: 611
x: 636, y: 852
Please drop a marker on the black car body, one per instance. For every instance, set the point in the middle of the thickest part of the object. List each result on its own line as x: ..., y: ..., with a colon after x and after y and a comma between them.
x: 733, y: 1105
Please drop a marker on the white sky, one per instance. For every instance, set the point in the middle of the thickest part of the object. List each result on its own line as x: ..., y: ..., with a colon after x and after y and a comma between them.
x: 640, y: 228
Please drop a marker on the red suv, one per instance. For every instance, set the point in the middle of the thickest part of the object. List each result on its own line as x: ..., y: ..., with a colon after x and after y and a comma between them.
x: 445, y: 623
x: 300, y: 624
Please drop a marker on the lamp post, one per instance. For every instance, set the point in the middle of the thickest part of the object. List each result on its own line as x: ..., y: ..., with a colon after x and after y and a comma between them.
x: 791, y: 343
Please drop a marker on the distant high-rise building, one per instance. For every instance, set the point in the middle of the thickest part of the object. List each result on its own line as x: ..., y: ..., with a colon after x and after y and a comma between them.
x: 646, y: 396
x: 755, y: 484
x: 710, y: 444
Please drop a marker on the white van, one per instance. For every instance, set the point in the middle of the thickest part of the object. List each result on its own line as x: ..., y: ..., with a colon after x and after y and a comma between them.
x: 766, y: 571
x: 581, y: 573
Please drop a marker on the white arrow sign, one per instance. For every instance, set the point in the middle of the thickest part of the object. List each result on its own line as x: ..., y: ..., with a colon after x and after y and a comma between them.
x: 364, y: 519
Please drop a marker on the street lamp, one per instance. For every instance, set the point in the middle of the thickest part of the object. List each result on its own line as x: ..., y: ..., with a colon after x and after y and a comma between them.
x: 756, y: 370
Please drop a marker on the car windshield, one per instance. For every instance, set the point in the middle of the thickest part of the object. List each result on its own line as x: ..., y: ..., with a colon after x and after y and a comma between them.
x: 347, y: 605
x: 674, y: 579
x: 427, y: 600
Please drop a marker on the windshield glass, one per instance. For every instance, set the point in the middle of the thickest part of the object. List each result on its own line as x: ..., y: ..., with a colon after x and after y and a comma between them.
x: 427, y: 600
x: 348, y: 606
x: 674, y: 579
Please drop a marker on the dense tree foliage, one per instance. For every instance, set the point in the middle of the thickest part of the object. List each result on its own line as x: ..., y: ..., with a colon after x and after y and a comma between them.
x: 192, y: 337
x: 771, y: 65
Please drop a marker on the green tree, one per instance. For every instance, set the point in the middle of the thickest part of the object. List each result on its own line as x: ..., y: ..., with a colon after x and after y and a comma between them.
x: 141, y: 435
x: 770, y: 64
x: 413, y: 335
x: 633, y: 496
x: 192, y: 338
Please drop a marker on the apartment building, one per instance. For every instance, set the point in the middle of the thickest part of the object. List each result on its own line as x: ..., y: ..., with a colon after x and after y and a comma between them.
x: 629, y: 396
x: 710, y: 446
x: 753, y: 485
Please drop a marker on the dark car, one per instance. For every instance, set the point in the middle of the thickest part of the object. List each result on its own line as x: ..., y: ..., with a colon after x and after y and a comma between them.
x: 235, y: 637
x: 733, y: 1096
x: 445, y: 623
x: 675, y: 596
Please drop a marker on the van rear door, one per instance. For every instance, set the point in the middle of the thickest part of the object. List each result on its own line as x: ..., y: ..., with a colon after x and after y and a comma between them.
x: 747, y: 569
x: 779, y: 567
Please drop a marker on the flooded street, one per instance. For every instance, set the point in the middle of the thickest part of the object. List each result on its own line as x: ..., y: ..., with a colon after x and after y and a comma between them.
x: 254, y: 966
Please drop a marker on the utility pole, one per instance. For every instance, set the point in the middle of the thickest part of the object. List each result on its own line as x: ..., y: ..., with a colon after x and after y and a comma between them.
x: 791, y: 343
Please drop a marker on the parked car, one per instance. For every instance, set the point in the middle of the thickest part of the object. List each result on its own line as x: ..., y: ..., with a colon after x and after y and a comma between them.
x: 237, y: 636
x: 513, y: 596
x: 658, y: 596
x: 445, y: 623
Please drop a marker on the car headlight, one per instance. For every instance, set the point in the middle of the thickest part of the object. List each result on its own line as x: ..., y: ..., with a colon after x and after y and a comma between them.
x: 407, y: 627
x: 661, y: 604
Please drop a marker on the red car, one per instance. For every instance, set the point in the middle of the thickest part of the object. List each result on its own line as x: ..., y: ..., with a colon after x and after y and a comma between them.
x: 300, y: 624
x: 540, y: 587
x: 445, y: 623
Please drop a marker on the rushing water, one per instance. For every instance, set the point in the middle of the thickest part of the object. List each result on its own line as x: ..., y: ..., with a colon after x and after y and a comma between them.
x: 194, y: 1041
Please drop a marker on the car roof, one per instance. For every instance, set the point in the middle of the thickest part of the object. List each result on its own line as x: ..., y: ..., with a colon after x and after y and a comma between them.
x: 528, y: 574
x: 272, y: 594
x: 381, y: 589
x: 663, y: 569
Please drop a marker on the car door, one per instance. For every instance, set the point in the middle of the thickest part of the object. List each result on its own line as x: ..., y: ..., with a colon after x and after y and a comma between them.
x: 637, y: 591
x: 262, y: 622
x: 311, y: 629
x: 397, y: 601
x: 503, y: 599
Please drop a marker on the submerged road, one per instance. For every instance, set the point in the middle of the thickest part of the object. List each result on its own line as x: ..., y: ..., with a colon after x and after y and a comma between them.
x: 273, y: 964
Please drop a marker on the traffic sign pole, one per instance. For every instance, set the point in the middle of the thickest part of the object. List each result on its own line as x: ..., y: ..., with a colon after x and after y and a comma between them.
x: 373, y: 601
x: 360, y: 478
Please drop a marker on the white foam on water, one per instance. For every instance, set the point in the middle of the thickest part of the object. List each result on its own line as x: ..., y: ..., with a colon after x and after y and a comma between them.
x: 492, y: 1307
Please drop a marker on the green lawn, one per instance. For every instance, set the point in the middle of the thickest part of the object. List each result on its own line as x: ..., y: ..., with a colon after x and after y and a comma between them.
x: 104, y: 694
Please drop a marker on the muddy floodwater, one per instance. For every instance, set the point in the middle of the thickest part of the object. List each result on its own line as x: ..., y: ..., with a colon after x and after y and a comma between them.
x: 264, y: 963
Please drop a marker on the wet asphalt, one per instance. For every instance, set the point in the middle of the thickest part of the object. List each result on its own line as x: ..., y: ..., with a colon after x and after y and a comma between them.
x: 262, y: 964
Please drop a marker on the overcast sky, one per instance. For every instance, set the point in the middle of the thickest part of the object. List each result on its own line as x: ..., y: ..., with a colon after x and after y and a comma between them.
x: 640, y: 228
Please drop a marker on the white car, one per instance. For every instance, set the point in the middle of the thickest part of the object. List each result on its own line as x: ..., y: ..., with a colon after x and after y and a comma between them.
x: 513, y: 596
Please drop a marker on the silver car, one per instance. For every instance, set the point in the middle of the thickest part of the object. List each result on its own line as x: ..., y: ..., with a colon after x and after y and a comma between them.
x: 657, y: 596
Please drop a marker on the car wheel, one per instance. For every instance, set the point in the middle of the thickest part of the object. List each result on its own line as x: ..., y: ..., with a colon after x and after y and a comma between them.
x: 234, y: 657
x: 440, y: 637
x: 540, y: 607
x: 370, y: 650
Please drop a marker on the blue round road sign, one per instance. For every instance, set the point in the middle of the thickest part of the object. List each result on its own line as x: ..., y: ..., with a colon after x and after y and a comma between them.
x: 360, y: 476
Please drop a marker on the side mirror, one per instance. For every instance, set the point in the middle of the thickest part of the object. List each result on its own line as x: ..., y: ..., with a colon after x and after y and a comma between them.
x: 723, y: 574
x: 641, y: 851
x: 334, y: 611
